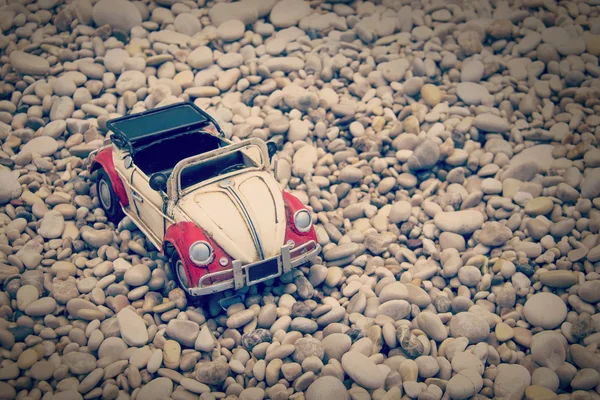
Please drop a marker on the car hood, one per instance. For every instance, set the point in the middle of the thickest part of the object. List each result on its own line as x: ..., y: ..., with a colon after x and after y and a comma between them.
x: 244, y: 214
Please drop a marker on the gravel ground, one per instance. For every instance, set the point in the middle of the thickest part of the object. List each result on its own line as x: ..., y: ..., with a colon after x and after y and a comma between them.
x: 448, y: 150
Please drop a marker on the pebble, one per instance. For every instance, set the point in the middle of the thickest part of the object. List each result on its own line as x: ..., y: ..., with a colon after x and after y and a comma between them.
x: 327, y: 387
x: 490, y: 123
x: 43, y: 145
x: 231, y: 30
x: 464, y: 384
x: 558, y: 279
x: 118, y: 14
x: 132, y: 328
x: 137, y: 275
x: 511, y: 381
x: 447, y: 154
x: 184, y: 332
x: 431, y: 94
x: 362, y: 370
x: 28, y: 64
x: 287, y: 13
x: 41, y: 307
x: 212, y: 372
x: 548, y: 349
x: 545, y: 310
x: 159, y: 388
x: 460, y: 222
x: 469, y: 325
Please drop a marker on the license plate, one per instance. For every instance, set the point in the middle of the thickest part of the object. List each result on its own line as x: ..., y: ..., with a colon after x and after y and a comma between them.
x: 263, y: 271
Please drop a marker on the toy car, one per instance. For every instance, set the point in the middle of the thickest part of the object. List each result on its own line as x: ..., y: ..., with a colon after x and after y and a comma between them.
x: 211, y: 206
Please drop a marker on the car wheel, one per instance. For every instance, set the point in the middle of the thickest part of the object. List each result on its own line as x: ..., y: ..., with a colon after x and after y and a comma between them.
x: 180, y: 272
x: 108, y: 199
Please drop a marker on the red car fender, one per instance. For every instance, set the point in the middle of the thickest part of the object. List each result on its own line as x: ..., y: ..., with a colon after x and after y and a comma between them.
x: 181, y: 236
x: 104, y: 159
x: 292, y: 205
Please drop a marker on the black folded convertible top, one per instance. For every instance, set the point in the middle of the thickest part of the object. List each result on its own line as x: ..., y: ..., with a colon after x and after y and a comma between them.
x: 135, y: 130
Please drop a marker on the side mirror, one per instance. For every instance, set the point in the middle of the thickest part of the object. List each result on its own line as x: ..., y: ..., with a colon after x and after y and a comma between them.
x: 128, y: 162
x: 272, y: 149
x: 158, y: 182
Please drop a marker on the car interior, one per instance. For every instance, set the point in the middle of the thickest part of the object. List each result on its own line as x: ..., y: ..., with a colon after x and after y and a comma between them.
x: 162, y: 155
x: 214, y: 167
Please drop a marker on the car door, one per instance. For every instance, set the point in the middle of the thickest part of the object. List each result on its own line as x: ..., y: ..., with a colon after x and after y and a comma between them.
x: 149, y: 207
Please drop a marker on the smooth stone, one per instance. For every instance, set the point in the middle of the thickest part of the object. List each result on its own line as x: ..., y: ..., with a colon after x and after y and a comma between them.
x: 469, y: 325
x: 472, y: 93
x: 539, y: 393
x: 287, y: 13
x: 431, y: 94
x: 336, y: 345
x: 540, y: 155
x: 28, y: 64
x: 558, y: 279
x: 80, y: 363
x: 205, y: 340
x: 43, y: 145
x: 211, y: 372
x: 545, y: 310
x: 201, y: 57
x: 132, y: 328
x: 511, y: 381
x: 491, y: 123
x: 589, y: 291
x: 432, y: 325
x: 138, y: 275
x: 327, y: 388
x: 465, y: 384
x: 494, y: 234
x: 362, y: 370
x: 461, y: 222
x: 539, y: 206
x: 41, y: 307
x: 184, y: 332
x: 119, y: 14
x: 156, y: 389
x: 231, y: 30
x: 472, y: 71
x: 394, y: 291
x: 548, y: 349
x: 10, y: 188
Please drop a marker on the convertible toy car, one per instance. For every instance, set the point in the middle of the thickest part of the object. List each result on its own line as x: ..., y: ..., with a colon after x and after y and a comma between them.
x: 211, y: 206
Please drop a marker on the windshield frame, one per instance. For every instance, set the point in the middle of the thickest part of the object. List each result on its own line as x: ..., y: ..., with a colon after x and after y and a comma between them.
x: 175, y: 191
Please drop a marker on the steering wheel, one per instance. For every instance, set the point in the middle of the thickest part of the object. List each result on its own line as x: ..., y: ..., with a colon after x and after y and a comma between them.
x: 232, y: 168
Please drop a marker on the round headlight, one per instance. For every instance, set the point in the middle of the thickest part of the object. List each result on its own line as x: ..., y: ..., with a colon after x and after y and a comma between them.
x: 303, y: 220
x: 201, y: 253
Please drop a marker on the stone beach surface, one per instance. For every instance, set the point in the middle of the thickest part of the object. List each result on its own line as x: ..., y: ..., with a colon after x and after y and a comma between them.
x: 448, y: 152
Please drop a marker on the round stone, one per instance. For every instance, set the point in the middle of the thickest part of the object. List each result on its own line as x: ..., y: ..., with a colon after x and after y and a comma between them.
x: 431, y: 94
x: 362, y: 370
x: 137, y: 275
x: 549, y: 349
x: 306, y: 347
x: 469, y: 325
x: 545, y: 310
x: 212, y: 372
x: 327, y: 388
x: 119, y: 14
x: 231, y: 30
x: 539, y: 206
x: 132, y: 327
x: 156, y: 389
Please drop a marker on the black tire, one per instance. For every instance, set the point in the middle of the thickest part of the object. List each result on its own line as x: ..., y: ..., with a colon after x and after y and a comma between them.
x: 107, y: 197
x: 178, y: 271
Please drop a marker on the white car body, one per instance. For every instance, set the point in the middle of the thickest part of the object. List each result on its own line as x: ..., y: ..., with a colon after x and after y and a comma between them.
x: 242, y: 215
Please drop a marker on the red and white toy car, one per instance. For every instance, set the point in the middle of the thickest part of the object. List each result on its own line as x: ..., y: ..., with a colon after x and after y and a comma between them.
x: 213, y: 207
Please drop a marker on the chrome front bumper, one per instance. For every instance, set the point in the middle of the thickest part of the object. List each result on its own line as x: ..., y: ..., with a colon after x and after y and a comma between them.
x: 286, y: 261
